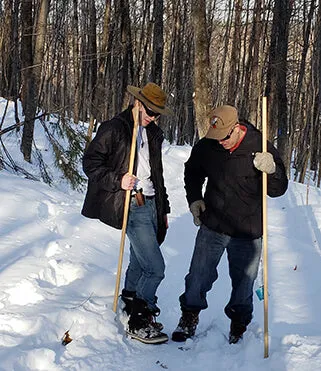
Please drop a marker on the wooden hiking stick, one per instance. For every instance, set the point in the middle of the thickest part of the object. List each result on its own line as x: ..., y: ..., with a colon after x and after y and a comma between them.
x: 265, y: 250
x: 126, y: 207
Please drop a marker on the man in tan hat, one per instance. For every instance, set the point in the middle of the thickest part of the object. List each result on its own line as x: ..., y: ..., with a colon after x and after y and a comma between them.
x: 106, y: 165
x: 229, y: 215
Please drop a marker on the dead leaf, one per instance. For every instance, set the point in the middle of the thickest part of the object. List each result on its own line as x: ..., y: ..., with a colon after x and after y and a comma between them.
x: 66, y: 339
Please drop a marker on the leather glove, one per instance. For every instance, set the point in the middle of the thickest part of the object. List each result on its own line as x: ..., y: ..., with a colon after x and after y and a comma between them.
x: 264, y: 161
x: 196, y: 208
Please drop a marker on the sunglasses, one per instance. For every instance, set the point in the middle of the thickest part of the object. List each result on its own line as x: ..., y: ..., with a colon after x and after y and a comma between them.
x: 228, y: 135
x: 149, y: 112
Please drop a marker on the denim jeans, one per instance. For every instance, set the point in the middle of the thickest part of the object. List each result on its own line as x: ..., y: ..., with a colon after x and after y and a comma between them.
x: 243, y: 258
x: 146, y: 264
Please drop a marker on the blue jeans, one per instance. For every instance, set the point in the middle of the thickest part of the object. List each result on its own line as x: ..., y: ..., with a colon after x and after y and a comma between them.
x: 243, y: 258
x: 146, y: 264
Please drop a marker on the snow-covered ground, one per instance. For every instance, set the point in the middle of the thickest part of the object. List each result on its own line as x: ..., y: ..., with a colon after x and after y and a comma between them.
x: 58, y: 272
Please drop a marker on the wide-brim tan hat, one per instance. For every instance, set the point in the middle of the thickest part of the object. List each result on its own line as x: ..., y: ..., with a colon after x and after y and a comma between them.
x: 153, y: 96
x: 222, y: 119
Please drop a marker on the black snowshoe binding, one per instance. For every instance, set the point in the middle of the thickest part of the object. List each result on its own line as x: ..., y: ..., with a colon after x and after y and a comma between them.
x: 186, y: 327
x: 141, y: 324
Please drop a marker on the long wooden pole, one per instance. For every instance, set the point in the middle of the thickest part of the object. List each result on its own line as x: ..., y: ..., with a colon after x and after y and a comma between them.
x: 265, y: 245
x: 126, y: 207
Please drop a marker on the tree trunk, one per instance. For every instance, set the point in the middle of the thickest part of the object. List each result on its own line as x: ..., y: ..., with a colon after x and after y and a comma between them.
x: 202, y: 100
x: 316, y: 101
x: 158, y: 43
x: 92, y: 51
x: 76, y: 64
x: 104, y: 64
x: 276, y: 84
x: 235, y: 54
x: 32, y: 62
x: 296, y: 119
x: 6, y: 42
x: 251, y: 95
x: 28, y: 92
x: 127, y: 73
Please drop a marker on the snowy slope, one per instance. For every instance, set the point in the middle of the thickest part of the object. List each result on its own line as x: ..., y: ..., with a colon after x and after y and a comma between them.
x: 58, y: 271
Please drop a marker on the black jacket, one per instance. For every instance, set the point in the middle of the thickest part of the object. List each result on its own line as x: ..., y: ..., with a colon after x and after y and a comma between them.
x: 107, y: 160
x: 233, y: 195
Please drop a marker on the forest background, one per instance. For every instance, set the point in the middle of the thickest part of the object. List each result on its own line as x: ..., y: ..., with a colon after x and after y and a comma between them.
x: 69, y: 62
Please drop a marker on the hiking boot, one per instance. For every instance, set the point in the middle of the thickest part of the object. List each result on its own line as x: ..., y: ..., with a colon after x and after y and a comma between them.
x: 186, y: 326
x: 236, y: 332
x: 126, y: 306
x: 153, y: 314
x: 141, y: 325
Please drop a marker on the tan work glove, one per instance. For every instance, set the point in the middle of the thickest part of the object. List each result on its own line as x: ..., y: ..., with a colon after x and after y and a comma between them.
x: 264, y: 161
x: 196, y: 208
